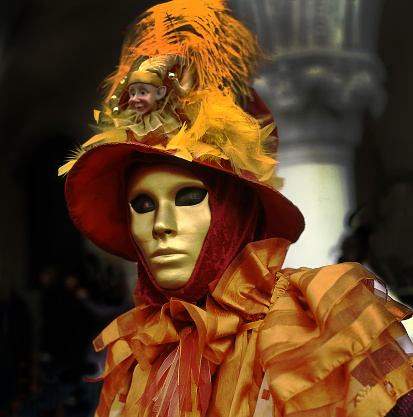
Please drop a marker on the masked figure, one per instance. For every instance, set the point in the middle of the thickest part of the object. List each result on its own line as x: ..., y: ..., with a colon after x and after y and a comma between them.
x: 220, y: 327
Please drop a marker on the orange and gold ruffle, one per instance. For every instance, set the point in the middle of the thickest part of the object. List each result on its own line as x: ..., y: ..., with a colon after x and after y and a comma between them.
x: 325, y: 337
x: 329, y: 344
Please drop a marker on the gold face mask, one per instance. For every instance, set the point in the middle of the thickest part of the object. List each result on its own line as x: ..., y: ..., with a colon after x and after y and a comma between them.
x: 170, y: 218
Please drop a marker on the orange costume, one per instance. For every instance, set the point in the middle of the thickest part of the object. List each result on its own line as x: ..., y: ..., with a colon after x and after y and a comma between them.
x: 243, y: 337
x: 325, y: 338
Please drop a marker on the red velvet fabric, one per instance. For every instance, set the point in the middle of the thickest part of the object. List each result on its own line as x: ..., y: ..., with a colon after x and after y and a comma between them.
x: 236, y: 219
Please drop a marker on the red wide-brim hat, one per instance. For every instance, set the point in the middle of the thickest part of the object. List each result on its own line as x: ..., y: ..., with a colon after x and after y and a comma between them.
x: 97, y: 202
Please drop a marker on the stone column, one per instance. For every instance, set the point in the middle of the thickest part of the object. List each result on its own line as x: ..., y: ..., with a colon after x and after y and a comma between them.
x: 324, y: 76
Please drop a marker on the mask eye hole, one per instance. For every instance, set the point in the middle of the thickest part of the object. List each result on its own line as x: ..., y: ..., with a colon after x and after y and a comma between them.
x: 142, y: 204
x: 190, y: 196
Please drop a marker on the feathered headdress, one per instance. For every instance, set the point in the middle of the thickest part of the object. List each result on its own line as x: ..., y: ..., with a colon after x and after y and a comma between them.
x: 220, y: 50
x: 208, y: 60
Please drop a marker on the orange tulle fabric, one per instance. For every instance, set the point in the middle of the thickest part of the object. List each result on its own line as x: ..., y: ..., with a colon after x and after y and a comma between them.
x: 326, y: 339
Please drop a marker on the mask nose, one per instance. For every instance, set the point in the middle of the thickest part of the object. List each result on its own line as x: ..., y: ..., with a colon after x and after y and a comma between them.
x: 165, y: 222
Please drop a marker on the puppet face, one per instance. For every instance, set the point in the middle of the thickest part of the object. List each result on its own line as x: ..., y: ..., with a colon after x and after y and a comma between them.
x: 170, y: 218
x: 144, y: 97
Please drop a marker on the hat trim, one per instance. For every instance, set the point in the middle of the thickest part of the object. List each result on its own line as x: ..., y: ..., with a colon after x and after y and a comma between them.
x: 145, y: 77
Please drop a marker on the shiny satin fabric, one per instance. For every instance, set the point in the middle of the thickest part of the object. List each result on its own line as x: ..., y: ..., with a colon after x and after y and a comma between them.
x: 324, y: 337
x: 328, y: 344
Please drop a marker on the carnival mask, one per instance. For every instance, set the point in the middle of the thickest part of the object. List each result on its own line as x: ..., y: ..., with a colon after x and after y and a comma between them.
x: 170, y: 218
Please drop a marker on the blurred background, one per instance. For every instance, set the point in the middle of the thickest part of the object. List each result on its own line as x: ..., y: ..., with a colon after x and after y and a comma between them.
x: 341, y: 91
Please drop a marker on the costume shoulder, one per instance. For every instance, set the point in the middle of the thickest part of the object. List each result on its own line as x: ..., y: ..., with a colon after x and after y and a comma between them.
x: 333, y: 343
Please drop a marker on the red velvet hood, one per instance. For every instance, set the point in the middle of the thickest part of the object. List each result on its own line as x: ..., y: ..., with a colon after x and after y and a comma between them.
x: 241, y: 207
x: 235, y: 222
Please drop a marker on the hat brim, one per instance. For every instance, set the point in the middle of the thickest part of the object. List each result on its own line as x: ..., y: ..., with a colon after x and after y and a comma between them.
x: 96, y: 196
